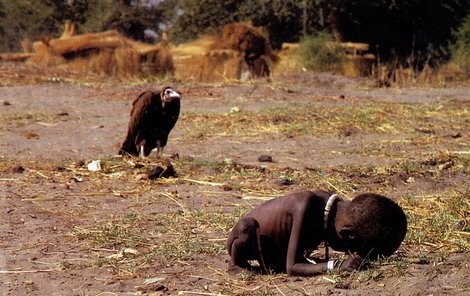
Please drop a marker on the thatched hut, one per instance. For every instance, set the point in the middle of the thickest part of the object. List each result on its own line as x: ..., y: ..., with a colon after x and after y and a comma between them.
x: 239, y: 52
x: 107, y: 53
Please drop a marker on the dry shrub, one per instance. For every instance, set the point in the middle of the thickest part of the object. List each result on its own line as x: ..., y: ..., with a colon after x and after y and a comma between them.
x: 98, y: 62
x: 127, y: 62
x: 44, y: 56
x: 69, y: 30
x: 220, y: 64
x: 289, y: 60
x: 80, y: 61
x: 158, y: 62
x: 357, y: 65
x: 27, y: 45
x: 452, y: 72
x: 409, y: 75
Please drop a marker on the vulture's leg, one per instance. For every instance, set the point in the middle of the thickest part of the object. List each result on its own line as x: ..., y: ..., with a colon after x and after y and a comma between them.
x: 141, y: 151
x: 159, y: 152
x: 159, y: 148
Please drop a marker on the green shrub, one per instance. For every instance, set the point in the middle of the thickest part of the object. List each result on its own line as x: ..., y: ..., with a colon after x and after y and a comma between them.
x: 461, y: 47
x: 317, y: 53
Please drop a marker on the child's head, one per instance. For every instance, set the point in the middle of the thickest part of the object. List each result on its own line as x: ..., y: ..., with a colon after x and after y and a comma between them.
x: 373, y: 225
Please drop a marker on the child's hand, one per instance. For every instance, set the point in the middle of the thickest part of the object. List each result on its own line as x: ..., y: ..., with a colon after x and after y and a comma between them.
x: 353, y: 262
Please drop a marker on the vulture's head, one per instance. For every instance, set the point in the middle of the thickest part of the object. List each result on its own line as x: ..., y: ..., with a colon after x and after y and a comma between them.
x: 169, y: 95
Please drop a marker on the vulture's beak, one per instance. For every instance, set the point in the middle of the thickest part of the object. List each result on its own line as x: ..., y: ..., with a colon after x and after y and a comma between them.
x: 169, y: 95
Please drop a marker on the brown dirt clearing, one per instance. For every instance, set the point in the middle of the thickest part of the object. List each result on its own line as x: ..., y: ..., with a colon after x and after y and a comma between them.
x: 65, y: 230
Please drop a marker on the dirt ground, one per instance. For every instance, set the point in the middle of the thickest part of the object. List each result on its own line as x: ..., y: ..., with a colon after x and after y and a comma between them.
x: 65, y: 230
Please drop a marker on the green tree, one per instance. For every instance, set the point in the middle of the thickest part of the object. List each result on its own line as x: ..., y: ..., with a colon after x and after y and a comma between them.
x: 132, y: 18
x: 73, y: 10
x: 23, y: 19
x: 30, y: 19
x: 318, y: 57
x: 395, y: 29
x: 33, y: 18
x: 2, y: 15
x: 461, y: 46
x: 97, y: 13
x: 401, y: 29
x: 285, y: 20
x: 198, y: 17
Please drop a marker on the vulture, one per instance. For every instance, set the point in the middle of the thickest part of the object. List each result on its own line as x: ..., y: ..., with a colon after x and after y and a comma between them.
x: 153, y: 116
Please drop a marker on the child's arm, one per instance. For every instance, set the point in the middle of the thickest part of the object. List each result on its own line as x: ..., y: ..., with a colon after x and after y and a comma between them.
x: 353, y: 262
x: 296, y: 264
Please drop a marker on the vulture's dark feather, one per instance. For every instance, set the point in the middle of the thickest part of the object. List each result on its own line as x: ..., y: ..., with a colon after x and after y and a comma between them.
x: 153, y: 116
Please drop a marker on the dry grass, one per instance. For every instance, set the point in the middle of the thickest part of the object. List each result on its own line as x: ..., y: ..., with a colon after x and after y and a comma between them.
x: 27, y: 118
x: 380, y: 118
x: 161, y: 226
x: 134, y: 242
x: 439, y: 222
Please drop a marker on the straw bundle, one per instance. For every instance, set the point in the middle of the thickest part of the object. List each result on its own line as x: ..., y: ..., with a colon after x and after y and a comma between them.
x: 240, y: 52
x: 106, y: 52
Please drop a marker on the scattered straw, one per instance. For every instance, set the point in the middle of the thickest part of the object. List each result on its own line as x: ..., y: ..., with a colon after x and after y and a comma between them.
x: 460, y: 152
x: 175, y: 201
x: 247, y: 197
x: 41, y: 174
x: 200, y: 293
x: 26, y: 271
x: 204, y: 182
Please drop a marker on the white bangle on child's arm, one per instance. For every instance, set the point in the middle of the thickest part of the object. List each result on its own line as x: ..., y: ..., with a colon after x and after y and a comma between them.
x: 331, y: 265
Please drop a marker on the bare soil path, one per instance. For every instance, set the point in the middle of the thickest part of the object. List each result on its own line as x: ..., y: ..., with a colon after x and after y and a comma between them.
x: 65, y: 230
